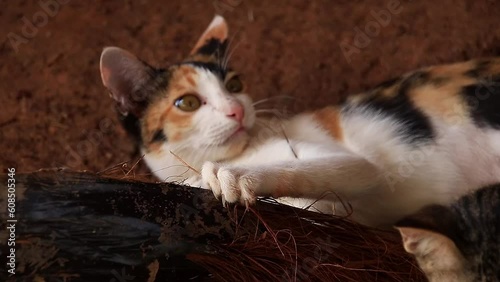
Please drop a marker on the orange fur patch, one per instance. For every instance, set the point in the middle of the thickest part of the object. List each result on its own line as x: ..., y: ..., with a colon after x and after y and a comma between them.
x: 162, y: 114
x: 202, y: 58
x: 191, y: 81
x: 178, y: 119
x: 178, y: 88
x: 390, y: 92
x: 495, y: 66
x: 187, y: 70
x: 154, y: 147
x: 443, y: 100
x: 329, y: 119
x: 451, y: 70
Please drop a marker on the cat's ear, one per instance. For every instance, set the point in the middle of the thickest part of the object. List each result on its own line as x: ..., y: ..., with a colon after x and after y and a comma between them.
x: 436, y: 218
x: 431, y: 235
x: 214, y: 36
x: 128, y: 79
x: 436, y: 254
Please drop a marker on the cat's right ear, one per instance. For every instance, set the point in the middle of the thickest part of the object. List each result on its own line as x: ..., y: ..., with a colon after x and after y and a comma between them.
x: 128, y: 79
x: 431, y: 235
x: 436, y: 218
x: 214, y: 36
x: 435, y: 253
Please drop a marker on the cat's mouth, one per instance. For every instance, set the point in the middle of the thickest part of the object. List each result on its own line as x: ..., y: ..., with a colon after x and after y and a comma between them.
x: 240, y: 131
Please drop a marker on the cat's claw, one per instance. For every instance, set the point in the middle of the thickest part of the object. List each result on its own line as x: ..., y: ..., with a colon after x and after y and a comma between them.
x: 229, y: 184
x: 209, y: 179
x: 224, y: 202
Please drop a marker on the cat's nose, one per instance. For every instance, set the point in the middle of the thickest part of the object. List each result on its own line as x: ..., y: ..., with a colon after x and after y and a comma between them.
x: 237, y: 112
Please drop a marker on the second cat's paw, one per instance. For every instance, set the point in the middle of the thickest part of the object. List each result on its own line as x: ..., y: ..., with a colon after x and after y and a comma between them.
x: 230, y: 184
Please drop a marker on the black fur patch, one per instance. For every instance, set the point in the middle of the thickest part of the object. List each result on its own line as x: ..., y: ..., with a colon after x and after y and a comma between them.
x: 483, y: 99
x: 212, y: 67
x: 414, y: 80
x: 140, y: 95
x: 132, y: 126
x: 479, y: 69
x: 388, y: 83
x: 438, y: 81
x: 416, y: 126
x: 478, y: 217
x: 435, y: 218
x: 213, y: 46
x: 159, y: 136
x: 141, y: 98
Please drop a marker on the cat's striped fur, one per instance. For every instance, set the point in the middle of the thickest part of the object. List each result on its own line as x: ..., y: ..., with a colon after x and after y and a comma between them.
x: 428, y: 137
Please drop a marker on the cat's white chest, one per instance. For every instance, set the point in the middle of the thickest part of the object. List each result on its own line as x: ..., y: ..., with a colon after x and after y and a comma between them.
x: 272, y: 150
x: 298, y: 138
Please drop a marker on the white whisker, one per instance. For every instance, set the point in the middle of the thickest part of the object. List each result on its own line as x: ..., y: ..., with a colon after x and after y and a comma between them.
x: 164, y: 168
x: 228, y: 57
x: 274, y: 112
x: 226, y: 50
x: 273, y: 98
x: 176, y: 176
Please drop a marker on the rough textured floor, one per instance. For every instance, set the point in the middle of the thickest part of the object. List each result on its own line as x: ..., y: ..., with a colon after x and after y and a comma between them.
x: 55, y: 111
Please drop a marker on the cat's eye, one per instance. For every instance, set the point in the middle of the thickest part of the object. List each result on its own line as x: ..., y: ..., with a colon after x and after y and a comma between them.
x: 188, y: 103
x: 234, y: 85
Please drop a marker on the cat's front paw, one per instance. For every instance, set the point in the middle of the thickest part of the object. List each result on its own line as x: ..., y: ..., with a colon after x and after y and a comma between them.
x: 230, y: 184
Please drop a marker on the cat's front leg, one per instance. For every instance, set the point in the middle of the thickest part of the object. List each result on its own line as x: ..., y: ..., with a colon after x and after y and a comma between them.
x: 343, y: 175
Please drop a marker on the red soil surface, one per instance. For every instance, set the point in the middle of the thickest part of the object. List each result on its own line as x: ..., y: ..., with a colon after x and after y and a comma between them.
x: 55, y: 111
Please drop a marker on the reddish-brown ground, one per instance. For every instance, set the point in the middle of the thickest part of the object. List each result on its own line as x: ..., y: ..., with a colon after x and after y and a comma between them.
x: 55, y: 111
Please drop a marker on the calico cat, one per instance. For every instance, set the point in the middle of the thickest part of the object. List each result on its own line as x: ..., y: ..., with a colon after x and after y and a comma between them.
x: 457, y: 243
x: 427, y: 137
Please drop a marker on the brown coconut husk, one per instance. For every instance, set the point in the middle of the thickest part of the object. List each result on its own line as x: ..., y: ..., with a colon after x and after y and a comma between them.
x: 169, y: 232
x: 287, y: 244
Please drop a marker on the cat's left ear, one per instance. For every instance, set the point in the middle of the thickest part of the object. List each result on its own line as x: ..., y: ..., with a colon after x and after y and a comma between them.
x: 213, y: 37
x: 130, y: 81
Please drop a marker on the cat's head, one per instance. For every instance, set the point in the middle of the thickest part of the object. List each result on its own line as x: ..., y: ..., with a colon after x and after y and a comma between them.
x: 457, y: 243
x: 195, y: 107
